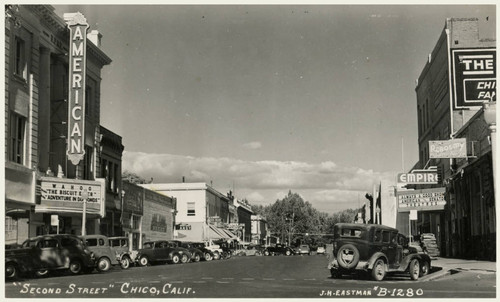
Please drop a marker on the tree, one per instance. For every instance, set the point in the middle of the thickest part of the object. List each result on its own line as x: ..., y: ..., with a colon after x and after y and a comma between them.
x: 134, y: 178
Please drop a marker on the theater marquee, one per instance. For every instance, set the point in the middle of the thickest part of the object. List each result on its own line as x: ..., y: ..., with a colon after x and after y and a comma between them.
x: 474, y: 76
x: 421, y: 200
x: 78, y: 27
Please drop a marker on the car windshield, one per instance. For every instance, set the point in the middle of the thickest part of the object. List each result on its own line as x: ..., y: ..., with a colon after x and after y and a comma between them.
x: 29, y: 243
x: 351, y: 232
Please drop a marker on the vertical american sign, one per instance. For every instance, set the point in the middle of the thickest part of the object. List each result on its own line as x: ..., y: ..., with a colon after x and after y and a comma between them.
x: 78, y: 27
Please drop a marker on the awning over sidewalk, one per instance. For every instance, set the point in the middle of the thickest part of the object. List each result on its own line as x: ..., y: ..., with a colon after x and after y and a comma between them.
x: 217, y: 233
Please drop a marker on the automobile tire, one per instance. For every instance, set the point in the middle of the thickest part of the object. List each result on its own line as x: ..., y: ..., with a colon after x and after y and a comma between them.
x: 378, y: 271
x: 103, y: 264
x: 208, y: 257
x: 196, y: 258
x: 184, y: 258
x: 143, y: 261
x: 125, y: 262
x: 176, y: 259
x: 345, y: 250
x: 266, y: 253
x: 414, y: 269
x: 424, y: 269
x: 216, y: 256
x: 11, y: 271
x: 75, y: 267
x: 288, y: 253
x: 42, y: 273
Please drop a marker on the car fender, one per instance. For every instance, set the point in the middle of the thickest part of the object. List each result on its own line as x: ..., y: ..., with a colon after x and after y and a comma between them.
x: 374, y: 258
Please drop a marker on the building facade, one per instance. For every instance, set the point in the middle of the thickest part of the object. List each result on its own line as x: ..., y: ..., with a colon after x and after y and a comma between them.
x: 259, y: 230
x: 202, y: 211
x: 457, y: 78
x: 45, y: 192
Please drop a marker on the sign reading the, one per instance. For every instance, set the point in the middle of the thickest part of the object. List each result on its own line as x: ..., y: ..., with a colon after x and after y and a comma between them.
x: 422, y: 200
x: 78, y: 27
x: 474, y: 76
x: 68, y: 195
x: 418, y: 178
x: 454, y: 148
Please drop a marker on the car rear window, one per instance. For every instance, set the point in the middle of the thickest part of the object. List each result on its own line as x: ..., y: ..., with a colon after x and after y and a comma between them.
x: 91, y: 242
x: 351, y: 233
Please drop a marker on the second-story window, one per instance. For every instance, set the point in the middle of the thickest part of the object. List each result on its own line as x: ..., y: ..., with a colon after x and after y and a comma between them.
x: 191, y: 209
x: 17, y: 138
x: 20, y: 64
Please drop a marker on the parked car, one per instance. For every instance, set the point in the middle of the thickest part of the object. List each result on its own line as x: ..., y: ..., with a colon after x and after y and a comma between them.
x: 208, y: 255
x: 104, y: 254
x: 375, y: 249
x: 278, y: 249
x: 158, y: 251
x: 320, y: 250
x: 196, y: 254
x: 304, y: 249
x: 227, y: 251
x: 184, y: 252
x: 43, y: 254
x: 215, y: 248
x: 121, y: 247
x: 253, y: 250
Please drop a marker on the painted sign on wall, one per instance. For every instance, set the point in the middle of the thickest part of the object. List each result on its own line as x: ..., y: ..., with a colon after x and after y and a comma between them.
x: 78, y: 27
x: 159, y: 223
x: 422, y: 200
x: 453, y: 148
x: 474, y: 76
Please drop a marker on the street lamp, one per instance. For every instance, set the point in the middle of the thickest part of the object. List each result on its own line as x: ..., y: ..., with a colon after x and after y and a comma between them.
x: 85, y: 196
x: 489, y: 115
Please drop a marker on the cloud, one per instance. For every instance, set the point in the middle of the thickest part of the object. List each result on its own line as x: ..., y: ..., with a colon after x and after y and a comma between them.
x: 253, y: 145
x: 327, y: 185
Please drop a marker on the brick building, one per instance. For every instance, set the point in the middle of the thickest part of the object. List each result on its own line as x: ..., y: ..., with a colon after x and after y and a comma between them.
x: 458, y: 77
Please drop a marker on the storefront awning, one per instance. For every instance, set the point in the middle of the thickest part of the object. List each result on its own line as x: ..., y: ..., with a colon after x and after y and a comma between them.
x: 217, y: 233
x: 231, y: 235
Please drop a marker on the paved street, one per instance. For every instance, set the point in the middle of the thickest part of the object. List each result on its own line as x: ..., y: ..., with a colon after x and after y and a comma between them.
x: 248, y: 277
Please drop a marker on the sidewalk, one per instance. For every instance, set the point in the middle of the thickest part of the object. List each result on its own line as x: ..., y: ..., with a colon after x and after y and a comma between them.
x: 448, y: 266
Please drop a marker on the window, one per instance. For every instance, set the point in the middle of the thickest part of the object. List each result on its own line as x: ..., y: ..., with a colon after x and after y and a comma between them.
x: 385, y: 237
x: 191, y: 209
x: 91, y: 242
x: 351, y: 232
x: 88, y: 163
x: 17, y: 137
x: 101, y: 241
x: 68, y: 242
x: 378, y: 236
x: 20, y: 64
x: 47, y: 243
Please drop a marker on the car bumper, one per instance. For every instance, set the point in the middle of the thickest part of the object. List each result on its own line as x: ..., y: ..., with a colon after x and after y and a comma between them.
x: 362, y: 265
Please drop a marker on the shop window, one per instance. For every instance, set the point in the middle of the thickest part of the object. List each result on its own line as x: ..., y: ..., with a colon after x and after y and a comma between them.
x: 136, y: 222
x: 17, y: 138
x: 191, y: 209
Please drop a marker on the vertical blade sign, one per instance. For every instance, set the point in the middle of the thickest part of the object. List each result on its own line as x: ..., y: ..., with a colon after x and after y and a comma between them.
x: 78, y: 27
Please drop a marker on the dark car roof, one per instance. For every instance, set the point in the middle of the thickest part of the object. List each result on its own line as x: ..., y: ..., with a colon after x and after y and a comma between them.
x: 365, y: 226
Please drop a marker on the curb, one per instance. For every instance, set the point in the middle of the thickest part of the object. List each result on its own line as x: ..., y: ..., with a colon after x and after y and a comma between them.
x: 440, y: 274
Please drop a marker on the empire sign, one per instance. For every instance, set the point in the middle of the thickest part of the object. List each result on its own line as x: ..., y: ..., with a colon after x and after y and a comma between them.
x: 78, y: 27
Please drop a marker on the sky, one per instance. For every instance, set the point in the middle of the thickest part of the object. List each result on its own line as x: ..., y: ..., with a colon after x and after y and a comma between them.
x: 261, y: 100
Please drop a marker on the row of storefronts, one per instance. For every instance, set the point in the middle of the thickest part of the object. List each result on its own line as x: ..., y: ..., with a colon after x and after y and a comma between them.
x: 455, y: 146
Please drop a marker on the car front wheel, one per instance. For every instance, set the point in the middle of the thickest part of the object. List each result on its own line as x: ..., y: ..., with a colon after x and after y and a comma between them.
x: 414, y: 269
x: 103, y: 265
x: 176, y: 259
x: 125, y: 263
x: 143, y: 261
x: 378, y: 271
x: 266, y: 253
x: 11, y: 271
x: 75, y: 267
x: 288, y: 253
x: 424, y: 269
x: 208, y: 257
x: 184, y: 258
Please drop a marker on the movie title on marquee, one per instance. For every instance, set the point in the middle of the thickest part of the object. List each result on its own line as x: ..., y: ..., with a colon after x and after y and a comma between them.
x: 474, y: 77
x: 454, y: 148
x: 426, y: 199
x: 78, y: 27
